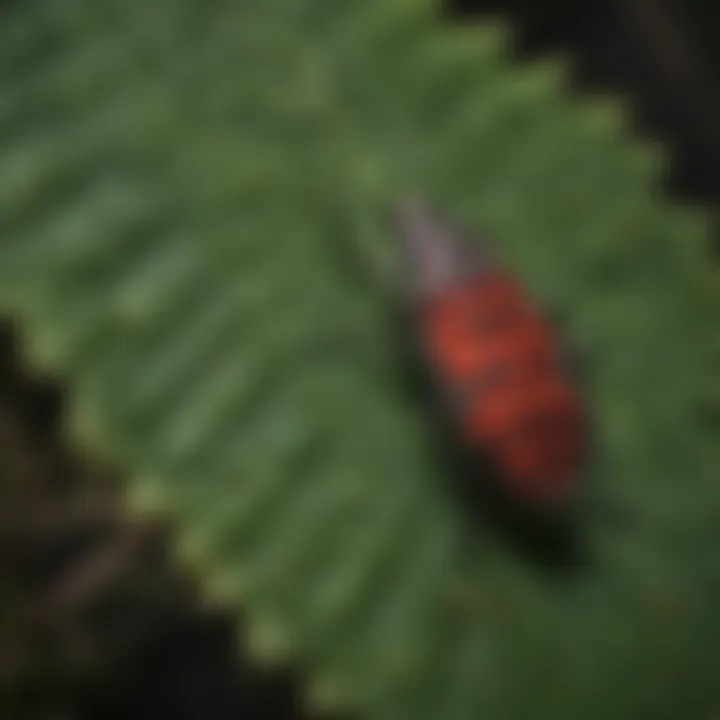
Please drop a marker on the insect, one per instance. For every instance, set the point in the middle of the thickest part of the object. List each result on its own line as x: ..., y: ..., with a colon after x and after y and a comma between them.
x: 495, y: 361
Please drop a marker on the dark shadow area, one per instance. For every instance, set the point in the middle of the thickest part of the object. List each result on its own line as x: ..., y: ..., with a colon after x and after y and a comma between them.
x: 192, y: 670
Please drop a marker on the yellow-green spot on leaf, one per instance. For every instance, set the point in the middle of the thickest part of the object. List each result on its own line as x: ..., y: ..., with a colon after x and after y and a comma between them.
x: 607, y: 116
x: 327, y: 693
x: 147, y: 496
x: 268, y: 639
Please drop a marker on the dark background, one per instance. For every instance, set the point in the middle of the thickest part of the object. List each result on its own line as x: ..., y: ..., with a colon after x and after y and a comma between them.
x: 661, y: 55
x: 109, y: 628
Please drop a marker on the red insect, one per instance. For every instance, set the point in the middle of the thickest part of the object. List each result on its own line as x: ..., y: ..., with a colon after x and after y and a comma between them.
x: 494, y: 358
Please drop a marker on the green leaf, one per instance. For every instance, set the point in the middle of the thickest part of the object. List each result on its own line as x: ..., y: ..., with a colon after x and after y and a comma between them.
x: 174, y: 176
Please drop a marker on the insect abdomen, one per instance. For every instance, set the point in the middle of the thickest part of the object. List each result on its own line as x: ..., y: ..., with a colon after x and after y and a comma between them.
x: 513, y: 396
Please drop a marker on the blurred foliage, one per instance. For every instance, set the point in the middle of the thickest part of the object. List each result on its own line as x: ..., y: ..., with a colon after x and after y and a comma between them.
x: 172, y: 181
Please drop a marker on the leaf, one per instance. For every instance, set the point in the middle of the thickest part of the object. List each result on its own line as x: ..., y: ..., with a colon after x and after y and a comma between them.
x: 173, y: 179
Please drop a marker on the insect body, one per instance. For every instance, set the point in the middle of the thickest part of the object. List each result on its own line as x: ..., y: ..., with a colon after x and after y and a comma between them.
x: 494, y: 359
